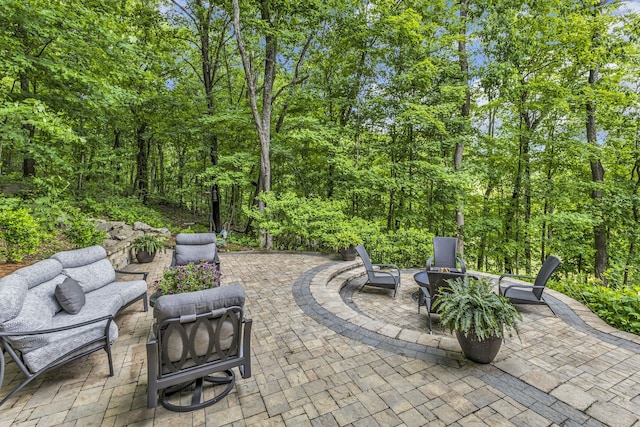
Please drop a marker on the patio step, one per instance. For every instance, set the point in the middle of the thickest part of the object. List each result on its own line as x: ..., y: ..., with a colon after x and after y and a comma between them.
x: 326, y: 286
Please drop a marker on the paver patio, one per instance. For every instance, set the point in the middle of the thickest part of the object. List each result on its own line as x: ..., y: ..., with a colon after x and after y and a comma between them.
x: 326, y: 354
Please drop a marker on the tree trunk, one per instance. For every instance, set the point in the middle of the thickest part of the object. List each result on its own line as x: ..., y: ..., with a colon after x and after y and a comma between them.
x: 597, y: 176
x: 28, y: 164
x: 142, y: 163
x: 262, y: 120
x: 465, y: 112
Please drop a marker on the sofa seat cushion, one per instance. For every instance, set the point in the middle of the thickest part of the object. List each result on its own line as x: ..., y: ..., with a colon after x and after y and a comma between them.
x: 98, y: 304
x: 129, y: 291
x: 68, y: 341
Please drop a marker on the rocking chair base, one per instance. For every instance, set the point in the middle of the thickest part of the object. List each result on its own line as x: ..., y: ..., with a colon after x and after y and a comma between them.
x: 197, y: 385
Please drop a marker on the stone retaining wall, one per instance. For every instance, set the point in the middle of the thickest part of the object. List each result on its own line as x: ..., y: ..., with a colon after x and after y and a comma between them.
x: 120, y: 237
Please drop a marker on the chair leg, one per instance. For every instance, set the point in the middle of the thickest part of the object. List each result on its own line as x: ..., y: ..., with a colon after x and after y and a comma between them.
x: 547, y: 304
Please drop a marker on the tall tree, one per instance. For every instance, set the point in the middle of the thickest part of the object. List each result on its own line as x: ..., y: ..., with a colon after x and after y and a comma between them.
x: 597, y: 169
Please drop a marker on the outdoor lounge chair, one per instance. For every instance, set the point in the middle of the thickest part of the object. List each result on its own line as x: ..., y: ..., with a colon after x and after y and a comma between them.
x: 196, y: 248
x: 196, y: 340
x: 379, y: 277
x: 530, y: 294
x: 444, y: 255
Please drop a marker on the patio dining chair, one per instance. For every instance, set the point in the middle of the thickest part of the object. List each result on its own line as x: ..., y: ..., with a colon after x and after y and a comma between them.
x: 379, y: 275
x: 444, y: 255
x: 526, y: 293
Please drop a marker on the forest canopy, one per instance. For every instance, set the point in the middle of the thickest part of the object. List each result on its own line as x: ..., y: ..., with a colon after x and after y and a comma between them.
x: 512, y: 125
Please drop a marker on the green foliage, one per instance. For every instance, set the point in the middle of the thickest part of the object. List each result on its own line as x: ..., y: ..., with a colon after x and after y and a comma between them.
x: 127, y: 209
x: 619, y: 307
x: 301, y: 223
x: 20, y: 233
x: 150, y: 243
x: 404, y: 247
x: 344, y: 239
x: 471, y: 307
x: 82, y: 232
x: 188, y: 278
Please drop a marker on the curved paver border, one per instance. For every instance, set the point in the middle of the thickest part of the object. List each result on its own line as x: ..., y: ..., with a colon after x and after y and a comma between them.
x: 315, y: 293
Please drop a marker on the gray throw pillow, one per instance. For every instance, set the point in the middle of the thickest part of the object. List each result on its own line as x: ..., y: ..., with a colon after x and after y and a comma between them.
x: 70, y: 296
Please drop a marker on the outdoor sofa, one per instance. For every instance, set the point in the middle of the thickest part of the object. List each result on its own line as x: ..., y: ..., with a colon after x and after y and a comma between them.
x: 62, y: 308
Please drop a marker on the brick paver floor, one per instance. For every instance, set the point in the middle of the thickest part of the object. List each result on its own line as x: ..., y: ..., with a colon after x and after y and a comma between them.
x: 325, y: 353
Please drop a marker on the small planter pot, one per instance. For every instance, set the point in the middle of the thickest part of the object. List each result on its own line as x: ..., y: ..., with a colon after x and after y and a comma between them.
x: 144, y: 257
x: 348, y: 254
x: 479, y: 351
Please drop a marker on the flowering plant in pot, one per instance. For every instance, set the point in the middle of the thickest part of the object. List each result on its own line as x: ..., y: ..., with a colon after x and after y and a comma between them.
x: 478, y: 315
x: 188, y: 278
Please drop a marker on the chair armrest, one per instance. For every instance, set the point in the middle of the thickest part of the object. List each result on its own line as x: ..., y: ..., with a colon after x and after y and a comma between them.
x: 62, y: 328
x: 389, y: 266
x: 144, y: 273
x: 504, y: 289
x: 395, y: 278
x: 429, y: 262
x: 520, y: 276
x: 463, y: 267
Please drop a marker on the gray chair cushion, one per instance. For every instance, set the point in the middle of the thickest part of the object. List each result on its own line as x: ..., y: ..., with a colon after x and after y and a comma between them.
x: 195, y: 253
x: 13, y: 291
x: 70, y: 296
x: 192, y: 303
x: 195, y: 239
x: 80, y: 257
x: 40, y: 272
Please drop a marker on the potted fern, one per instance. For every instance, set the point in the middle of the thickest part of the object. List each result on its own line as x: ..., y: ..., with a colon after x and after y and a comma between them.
x: 345, y: 243
x: 146, y: 247
x: 478, y: 315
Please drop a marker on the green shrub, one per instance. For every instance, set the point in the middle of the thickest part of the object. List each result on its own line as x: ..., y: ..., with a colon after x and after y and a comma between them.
x: 127, y: 209
x: 316, y: 224
x: 19, y: 231
x: 618, y: 307
x: 81, y: 232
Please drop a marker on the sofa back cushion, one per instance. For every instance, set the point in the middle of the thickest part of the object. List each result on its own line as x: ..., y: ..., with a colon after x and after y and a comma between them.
x: 88, y: 266
x: 40, y: 272
x: 92, y: 276
x: 13, y: 291
x: 80, y: 257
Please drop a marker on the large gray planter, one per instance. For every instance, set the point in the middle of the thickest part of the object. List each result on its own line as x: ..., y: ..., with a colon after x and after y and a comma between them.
x: 479, y: 351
